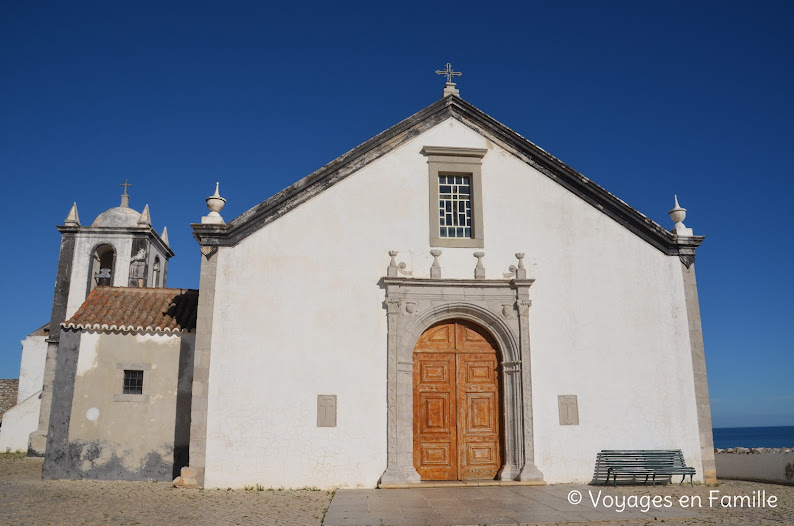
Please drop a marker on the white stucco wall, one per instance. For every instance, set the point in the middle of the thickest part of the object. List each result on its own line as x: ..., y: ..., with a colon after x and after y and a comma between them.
x: 31, y: 366
x: 299, y: 312
x: 23, y: 418
x: 19, y: 422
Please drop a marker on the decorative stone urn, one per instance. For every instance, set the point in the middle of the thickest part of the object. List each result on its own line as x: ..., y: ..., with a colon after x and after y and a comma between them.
x: 215, y: 203
x: 678, y: 214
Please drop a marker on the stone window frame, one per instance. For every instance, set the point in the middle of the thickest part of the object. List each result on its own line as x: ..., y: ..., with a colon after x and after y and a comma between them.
x: 501, y: 308
x: 118, y: 382
x: 444, y: 160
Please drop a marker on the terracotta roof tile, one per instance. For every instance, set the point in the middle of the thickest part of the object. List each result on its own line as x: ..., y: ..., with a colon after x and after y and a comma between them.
x: 137, y: 310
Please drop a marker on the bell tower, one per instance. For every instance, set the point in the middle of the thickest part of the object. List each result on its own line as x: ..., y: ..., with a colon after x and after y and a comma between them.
x: 119, y: 249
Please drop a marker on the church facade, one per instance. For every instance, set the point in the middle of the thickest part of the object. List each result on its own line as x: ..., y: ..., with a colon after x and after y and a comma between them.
x: 446, y: 301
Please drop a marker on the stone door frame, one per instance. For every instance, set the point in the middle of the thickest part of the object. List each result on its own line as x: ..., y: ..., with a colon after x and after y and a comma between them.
x: 501, y: 308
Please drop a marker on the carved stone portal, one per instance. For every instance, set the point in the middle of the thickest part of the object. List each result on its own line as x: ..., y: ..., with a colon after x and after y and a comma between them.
x: 481, y: 302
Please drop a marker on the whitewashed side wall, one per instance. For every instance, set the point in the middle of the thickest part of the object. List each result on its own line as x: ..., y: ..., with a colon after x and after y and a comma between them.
x: 18, y: 423
x: 299, y: 312
x: 83, y: 251
x: 31, y: 366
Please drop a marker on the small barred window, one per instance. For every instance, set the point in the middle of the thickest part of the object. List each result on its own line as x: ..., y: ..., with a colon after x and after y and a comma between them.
x: 133, y: 382
x: 454, y: 199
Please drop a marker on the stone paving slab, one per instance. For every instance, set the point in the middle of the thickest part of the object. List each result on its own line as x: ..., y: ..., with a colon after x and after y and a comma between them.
x: 559, y: 504
x: 476, y: 506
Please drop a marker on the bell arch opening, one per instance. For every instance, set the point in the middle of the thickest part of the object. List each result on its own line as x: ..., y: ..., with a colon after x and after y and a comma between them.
x: 101, y: 267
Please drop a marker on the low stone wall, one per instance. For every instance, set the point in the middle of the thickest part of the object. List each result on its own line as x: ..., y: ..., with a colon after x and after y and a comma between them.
x: 8, y: 394
x: 762, y: 464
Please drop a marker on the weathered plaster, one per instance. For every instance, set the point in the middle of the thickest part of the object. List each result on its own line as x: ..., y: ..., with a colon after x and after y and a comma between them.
x: 112, y: 435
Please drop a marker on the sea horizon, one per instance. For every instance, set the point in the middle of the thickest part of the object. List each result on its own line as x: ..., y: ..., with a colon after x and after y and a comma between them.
x: 754, y: 436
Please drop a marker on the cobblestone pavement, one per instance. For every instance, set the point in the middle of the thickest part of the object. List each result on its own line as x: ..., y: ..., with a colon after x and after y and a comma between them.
x: 25, y: 499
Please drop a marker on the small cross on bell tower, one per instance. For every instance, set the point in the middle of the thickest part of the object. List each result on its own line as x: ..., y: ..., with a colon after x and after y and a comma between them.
x: 125, y: 197
x: 449, y: 87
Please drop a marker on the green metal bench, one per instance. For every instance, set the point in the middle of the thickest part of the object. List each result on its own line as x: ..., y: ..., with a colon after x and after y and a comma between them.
x: 635, y: 463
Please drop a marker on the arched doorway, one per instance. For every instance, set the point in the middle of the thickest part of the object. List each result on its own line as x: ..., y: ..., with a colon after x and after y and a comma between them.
x: 456, y: 403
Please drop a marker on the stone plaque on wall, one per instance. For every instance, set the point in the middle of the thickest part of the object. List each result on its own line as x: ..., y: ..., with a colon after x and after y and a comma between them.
x: 326, y: 410
x: 569, y: 410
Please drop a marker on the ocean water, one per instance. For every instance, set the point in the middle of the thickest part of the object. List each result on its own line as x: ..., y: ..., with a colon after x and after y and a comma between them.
x: 725, y: 437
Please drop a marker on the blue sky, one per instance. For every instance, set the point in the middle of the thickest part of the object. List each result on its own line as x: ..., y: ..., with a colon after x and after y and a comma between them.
x: 647, y: 99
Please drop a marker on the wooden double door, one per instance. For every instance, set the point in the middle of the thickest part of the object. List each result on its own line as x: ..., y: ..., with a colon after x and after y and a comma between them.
x: 456, y: 404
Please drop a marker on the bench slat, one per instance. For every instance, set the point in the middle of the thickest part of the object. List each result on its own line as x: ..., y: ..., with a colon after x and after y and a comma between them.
x: 638, y: 462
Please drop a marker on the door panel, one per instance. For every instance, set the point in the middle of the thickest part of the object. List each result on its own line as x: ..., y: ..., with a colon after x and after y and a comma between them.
x: 435, y: 438
x: 456, y: 404
x: 478, y: 415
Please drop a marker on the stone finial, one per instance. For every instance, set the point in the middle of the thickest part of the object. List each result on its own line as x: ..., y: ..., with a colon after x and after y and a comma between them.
x: 164, y: 236
x: 435, y: 269
x: 521, y: 271
x: 391, y: 271
x: 678, y: 214
x: 72, y: 219
x: 145, y: 219
x: 215, y: 203
x: 479, y: 270
x: 125, y: 197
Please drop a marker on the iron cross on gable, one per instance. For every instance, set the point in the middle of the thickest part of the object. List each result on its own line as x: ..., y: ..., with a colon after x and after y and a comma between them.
x: 447, y: 72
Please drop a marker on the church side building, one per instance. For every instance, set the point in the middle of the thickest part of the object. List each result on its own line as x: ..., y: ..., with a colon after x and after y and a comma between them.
x: 120, y: 248
x: 447, y: 301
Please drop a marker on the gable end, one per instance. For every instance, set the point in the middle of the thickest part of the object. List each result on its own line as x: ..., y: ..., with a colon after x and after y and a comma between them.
x: 281, y: 203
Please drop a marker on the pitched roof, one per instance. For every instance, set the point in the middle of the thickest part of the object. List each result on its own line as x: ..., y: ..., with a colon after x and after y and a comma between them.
x: 137, y: 310
x: 451, y: 106
x: 44, y: 330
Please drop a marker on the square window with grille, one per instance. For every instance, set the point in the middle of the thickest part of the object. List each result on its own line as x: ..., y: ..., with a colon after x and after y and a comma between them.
x: 133, y: 382
x: 454, y: 206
